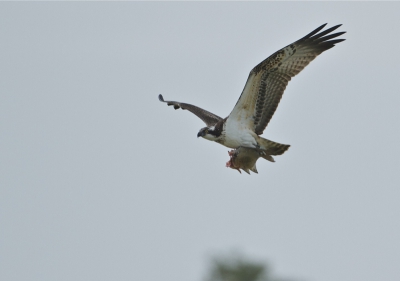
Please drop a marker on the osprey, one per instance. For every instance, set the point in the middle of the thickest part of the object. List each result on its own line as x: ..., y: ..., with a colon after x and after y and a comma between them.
x: 261, y: 95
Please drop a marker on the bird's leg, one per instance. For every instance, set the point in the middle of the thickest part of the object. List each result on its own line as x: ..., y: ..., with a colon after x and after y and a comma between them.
x: 260, y: 150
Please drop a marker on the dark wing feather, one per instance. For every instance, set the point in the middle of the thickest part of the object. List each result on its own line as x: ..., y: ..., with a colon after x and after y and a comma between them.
x: 268, y: 80
x: 209, y: 118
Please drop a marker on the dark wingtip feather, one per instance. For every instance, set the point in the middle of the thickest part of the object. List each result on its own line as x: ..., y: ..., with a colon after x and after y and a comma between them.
x: 322, y: 41
x: 338, y: 40
x: 332, y: 42
x: 314, y: 31
x: 323, y: 33
x: 160, y: 98
x: 328, y: 37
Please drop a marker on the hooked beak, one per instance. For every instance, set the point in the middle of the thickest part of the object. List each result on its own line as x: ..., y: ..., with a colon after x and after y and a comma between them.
x: 200, y: 134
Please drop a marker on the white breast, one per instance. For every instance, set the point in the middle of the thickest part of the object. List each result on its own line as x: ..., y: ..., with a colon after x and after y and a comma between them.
x: 236, y: 134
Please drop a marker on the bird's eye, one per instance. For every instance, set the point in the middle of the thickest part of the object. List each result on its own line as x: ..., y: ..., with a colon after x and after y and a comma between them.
x: 206, y: 131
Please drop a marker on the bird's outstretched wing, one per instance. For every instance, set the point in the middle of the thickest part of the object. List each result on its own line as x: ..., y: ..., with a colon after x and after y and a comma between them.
x: 209, y: 118
x: 268, y: 80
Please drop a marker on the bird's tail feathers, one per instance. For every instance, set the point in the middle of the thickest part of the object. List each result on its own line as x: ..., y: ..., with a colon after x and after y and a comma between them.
x: 271, y: 148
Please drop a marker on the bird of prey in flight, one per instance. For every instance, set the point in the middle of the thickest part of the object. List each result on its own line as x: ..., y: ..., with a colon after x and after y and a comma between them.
x: 261, y: 95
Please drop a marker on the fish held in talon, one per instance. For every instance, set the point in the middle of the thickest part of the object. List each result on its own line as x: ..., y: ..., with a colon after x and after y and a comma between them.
x: 244, y: 158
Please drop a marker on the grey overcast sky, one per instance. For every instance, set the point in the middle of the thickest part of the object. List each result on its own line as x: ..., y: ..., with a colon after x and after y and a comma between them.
x: 101, y: 181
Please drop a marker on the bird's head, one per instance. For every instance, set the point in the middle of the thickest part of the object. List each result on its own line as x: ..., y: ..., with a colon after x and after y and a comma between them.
x: 207, y: 133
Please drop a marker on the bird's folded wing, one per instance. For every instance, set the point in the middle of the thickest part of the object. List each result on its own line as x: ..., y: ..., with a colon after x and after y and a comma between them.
x: 209, y: 118
x: 267, y: 81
